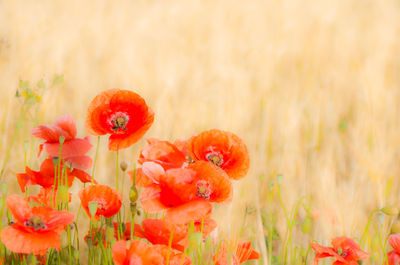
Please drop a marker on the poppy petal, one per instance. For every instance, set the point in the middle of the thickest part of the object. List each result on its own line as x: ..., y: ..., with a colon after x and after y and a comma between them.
x: 189, y: 212
x: 150, y: 199
x: 67, y: 124
x: 119, y: 252
x: 37, y: 243
x: 19, y: 207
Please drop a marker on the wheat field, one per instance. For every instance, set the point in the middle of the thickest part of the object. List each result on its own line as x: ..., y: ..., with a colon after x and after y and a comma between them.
x: 313, y: 88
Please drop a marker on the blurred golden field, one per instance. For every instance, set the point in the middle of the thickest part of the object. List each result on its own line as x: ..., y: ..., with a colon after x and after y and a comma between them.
x: 313, y: 87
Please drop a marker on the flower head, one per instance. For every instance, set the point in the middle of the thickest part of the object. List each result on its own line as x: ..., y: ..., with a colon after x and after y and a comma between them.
x: 241, y: 252
x: 36, y: 228
x: 223, y: 149
x: 121, y: 113
x: 344, y: 249
x: 47, y: 173
x: 394, y: 255
x: 198, y: 181
x: 107, y: 200
x: 73, y: 149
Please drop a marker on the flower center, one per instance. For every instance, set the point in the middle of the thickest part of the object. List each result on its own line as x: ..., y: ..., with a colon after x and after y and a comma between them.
x: 203, y: 189
x: 215, y: 158
x: 118, y: 121
x: 36, y: 223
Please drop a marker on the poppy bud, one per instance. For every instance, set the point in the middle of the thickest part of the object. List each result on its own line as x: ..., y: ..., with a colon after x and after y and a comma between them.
x: 61, y: 139
x: 123, y: 165
x: 92, y: 208
x: 390, y: 210
x: 133, y: 194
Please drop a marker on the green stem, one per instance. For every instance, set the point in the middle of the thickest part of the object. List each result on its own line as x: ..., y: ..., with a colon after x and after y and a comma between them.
x: 367, y: 226
x: 95, y: 158
x: 117, y: 171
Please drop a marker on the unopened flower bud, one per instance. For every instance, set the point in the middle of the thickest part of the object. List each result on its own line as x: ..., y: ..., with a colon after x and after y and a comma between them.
x: 61, y: 139
x: 133, y: 194
x: 123, y: 165
x: 390, y: 210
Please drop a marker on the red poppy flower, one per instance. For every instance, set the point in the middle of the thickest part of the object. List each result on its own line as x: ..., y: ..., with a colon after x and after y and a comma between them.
x: 140, y: 252
x: 176, y: 221
x: 73, y: 149
x: 345, y: 250
x: 121, y: 113
x: 200, y: 180
x: 45, y: 176
x: 241, y: 252
x: 36, y: 228
x: 394, y: 255
x: 223, y: 149
x: 108, y: 200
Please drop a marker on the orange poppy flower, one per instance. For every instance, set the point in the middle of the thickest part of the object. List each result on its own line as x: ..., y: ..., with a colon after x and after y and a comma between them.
x: 241, y: 252
x: 394, y: 255
x: 36, y: 228
x: 45, y: 176
x: 200, y: 180
x: 140, y: 252
x: 223, y: 149
x: 121, y: 113
x: 345, y: 250
x: 73, y: 149
x: 108, y: 200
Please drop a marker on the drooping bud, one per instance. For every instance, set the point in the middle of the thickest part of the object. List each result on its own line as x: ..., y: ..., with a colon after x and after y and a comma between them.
x: 123, y: 165
x: 133, y: 194
x: 390, y: 210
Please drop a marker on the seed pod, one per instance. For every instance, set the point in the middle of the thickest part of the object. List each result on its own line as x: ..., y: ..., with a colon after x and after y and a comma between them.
x: 123, y: 165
